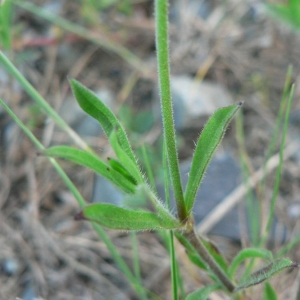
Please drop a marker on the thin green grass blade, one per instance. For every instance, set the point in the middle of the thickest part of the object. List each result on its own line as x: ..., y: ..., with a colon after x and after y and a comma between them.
x: 175, y: 277
x: 246, y: 254
x: 120, y: 261
x: 278, y: 125
x: 203, y: 293
x: 288, y: 247
x: 94, y: 163
x: 252, y: 204
x: 115, y: 217
x: 5, y: 23
x: 167, y: 237
x: 269, y: 292
x: 81, y: 202
x: 33, y: 93
x: 135, y: 255
x: 279, y: 168
x: 40, y: 146
x: 266, y: 273
x: 270, y: 151
x: 136, y: 262
x: 207, y: 144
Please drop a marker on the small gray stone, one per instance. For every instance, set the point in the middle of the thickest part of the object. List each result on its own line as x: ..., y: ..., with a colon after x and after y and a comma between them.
x: 194, y: 100
x: 29, y: 293
x: 294, y: 210
x: 10, y: 266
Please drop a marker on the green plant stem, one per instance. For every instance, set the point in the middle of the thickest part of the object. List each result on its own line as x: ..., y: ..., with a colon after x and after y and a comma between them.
x: 171, y: 248
x: 173, y: 266
x: 162, y: 48
x: 192, y: 237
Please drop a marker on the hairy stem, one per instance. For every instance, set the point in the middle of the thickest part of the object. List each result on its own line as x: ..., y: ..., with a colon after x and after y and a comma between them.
x: 162, y: 47
x: 192, y: 237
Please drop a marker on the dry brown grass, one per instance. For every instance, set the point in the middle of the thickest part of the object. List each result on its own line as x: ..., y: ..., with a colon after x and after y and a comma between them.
x: 63, y: 259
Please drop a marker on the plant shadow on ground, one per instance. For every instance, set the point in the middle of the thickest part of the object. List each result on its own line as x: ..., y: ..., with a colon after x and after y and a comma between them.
x: 43, y: 250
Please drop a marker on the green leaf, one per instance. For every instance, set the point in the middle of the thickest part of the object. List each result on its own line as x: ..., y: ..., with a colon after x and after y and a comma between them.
x: 191, y: 252
x: 266, y: 272
x: 6, y: 14
x: 203, y: 293
x: 94, y: 163
x: 215, y: 253
x: 269, y: 292
x: 290, y: 14
x: 129, y: 165
x: 207, y: 144
x: 114, y: 217
x: 117, y: 166
x: 93, y: 106
x: 245, y: 254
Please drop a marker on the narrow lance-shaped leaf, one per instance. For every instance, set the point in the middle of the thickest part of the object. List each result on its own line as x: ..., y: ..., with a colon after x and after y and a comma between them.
x: 248, y: 253
x: 115, y: 217
x: 117, y: 166
x: 207, y: 144
x: 94, y: 163
x: 269, y: 292
x: 266, y: 272
x: 93, y: 106
x: 215, y: 253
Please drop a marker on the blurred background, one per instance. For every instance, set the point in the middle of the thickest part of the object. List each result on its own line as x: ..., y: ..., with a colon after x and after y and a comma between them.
x: 221, y: 52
